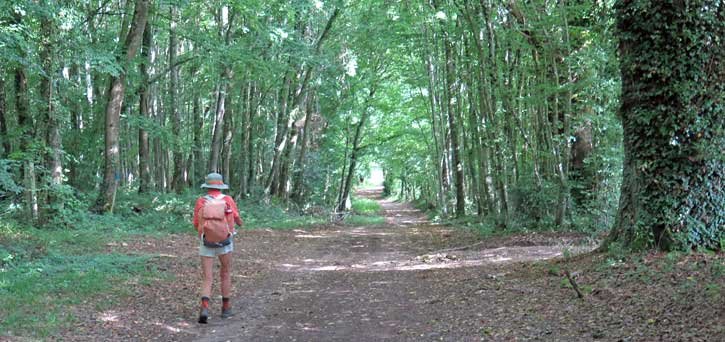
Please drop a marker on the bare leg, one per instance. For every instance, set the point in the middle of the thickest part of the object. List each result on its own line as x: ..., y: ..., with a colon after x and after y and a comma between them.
x: 207, y: 264
x: 226, y: 274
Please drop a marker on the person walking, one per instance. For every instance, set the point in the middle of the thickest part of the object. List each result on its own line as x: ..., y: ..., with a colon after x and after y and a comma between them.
x: 215, y: 215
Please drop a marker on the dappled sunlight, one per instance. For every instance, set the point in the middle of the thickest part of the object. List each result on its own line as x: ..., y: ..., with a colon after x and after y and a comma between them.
x: 340, y: 292
x: 368, y: 233
x: 109, y: 316
x: 168, y: 327
x: 124, y: 319
x: 412, y: 222
x: 312, y: 236
x: 309, y: 328
x: 499, y: 255
x: 402, y: 211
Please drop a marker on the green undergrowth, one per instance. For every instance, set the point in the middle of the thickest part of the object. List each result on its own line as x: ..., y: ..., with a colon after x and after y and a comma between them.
x: 365, y: 212
x: 490, y: 226
x: 45, y: 271
x: 366, y: 206
x: 273, y: 215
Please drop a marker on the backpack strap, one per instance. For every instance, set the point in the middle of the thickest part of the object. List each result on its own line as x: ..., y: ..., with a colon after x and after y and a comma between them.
x: 210, y: 197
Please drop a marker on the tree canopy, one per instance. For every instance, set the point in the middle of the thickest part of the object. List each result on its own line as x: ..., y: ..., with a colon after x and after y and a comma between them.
x: 504, y: 112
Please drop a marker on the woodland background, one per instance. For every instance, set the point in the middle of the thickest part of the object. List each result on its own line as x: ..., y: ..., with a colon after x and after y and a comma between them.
x: 293, y: 101
x: 502, y: 116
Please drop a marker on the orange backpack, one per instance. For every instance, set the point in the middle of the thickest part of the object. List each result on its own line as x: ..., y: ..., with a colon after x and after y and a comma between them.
x: 215, y: 227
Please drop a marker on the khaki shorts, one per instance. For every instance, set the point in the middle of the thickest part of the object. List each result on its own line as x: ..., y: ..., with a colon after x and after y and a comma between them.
x: 212, y: 252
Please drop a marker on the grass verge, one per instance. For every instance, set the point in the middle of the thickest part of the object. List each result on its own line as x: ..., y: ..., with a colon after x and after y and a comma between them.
x: 366, y: 206
x: 44, y: 272
x: 365, y: 212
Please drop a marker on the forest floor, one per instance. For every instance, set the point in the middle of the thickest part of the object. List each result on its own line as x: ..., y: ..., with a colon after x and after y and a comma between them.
x: 410, y: 280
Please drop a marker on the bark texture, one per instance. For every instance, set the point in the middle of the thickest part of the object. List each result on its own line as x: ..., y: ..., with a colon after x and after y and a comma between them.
x: 672, y: 114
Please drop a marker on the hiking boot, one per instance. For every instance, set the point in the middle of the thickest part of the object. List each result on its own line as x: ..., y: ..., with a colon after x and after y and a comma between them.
x: 226, y: 313
x: 203, y: 315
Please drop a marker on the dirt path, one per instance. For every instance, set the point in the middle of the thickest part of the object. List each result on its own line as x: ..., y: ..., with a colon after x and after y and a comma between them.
x: 404, y: 281
x: 368, y: 283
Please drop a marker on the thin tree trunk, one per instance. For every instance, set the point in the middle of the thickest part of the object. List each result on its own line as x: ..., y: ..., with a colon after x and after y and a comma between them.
x: 286, y: 160
x: 217, y: 135
x: 25, y: 123
x: 197, y: 168
x: 225, y: 29
x: 280, y: 138
x: 143, y: 136
x: 177, y: 182
x: 452, y: 89
x: 227, y: 145
x: 73, y: 103
x: 440, y: 174
x: 300, y: 164
x: 3, y: 120
x: 245, y: 140
x: 27, y: 133
x: 347, y: 185
x: 343, y: 172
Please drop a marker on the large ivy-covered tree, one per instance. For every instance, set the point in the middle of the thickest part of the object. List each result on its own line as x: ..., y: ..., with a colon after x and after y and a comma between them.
x: 672, y: 110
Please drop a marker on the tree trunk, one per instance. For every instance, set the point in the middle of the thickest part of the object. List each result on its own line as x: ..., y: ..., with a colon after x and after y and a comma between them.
x: 27, y: 133
x: 144, y: 157
x: 433, y: 101
x: 177, y: 182
x: 285, y: 161
x: 673, y: 193
x: 246, y: 159
x: 451, y: 90
x: 117, y: 84
x: 3, y: 121
x: 48, y: 115
x: 280, y: 139
x: 227, y: 145
x: 225, y: 29
x: 297, y: 178
x: 197, y: 172
x: 72, y: 101
x: 347, y: 184
x: 216, y: 142
x: 25, y: 123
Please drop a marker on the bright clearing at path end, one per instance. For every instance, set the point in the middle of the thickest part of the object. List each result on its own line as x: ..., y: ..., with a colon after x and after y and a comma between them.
x: 376, y: 175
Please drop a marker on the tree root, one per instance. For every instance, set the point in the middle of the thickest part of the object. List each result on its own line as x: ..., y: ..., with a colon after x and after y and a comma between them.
x: 573, y: 284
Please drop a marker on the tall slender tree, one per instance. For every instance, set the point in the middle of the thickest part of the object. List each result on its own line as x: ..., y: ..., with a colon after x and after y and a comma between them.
x: 3, y: 119
x: 177, y: 182
x: 116, y: 93
x: 144, y: 156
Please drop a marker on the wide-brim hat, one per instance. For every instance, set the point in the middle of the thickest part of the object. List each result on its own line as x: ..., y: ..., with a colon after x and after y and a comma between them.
x: 214, y: 181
